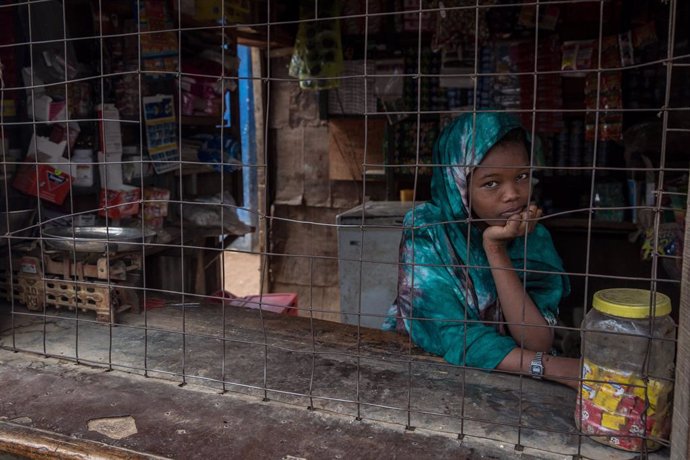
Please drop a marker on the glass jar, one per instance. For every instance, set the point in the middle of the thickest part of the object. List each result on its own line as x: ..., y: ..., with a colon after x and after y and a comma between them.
x: 628, y: 350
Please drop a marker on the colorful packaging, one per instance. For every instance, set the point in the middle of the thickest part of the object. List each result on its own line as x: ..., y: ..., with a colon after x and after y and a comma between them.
x: 620, y: 409
x: 43, y: 180
x: 121, y: 202
x: 155, y: 206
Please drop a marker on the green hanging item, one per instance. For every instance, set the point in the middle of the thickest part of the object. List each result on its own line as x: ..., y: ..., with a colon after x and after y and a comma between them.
x: 317, y: 59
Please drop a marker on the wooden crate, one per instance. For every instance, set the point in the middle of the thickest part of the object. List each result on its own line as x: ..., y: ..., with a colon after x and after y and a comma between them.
x: 37, y: 293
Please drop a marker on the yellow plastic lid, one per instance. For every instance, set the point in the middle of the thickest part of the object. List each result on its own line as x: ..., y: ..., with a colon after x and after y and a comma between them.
x: 630, y: 303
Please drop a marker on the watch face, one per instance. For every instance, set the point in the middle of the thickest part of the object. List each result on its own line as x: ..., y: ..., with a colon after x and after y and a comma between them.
x: 536, y: 369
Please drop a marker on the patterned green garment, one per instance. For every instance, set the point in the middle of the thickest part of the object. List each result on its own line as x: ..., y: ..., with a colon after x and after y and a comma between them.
x: 446, y: 293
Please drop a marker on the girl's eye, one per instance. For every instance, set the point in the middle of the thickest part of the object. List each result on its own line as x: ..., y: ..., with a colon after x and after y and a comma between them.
x: 523, y: 176
x: 490, y: 184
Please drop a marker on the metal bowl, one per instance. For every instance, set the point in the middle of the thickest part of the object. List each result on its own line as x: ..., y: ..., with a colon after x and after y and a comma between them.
x: 96, y: 239
x: 16, y: 224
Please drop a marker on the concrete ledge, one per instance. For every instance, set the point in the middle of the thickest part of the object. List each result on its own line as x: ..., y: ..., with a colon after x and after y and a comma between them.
x: 368, y: 391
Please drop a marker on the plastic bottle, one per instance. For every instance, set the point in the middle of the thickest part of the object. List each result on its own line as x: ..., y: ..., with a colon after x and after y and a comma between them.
x: 82, y: 168
x: 132, y: 166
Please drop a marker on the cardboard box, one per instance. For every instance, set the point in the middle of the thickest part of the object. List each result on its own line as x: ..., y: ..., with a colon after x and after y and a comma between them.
x: 119, y: 203
x: 47, y: 151
x: 43, y: 180
x: 44, y: 173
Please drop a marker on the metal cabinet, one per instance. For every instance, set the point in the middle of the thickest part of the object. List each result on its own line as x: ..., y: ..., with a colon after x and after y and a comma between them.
x: 368, y: 245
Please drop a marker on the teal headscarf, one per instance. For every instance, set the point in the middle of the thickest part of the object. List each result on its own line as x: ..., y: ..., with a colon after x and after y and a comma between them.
x: 446, y: 292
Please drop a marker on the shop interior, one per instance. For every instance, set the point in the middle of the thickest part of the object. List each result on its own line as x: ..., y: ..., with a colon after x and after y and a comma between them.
x: 212, y: 192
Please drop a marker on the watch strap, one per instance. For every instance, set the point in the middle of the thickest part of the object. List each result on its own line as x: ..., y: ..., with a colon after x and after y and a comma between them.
x: 536, y: 367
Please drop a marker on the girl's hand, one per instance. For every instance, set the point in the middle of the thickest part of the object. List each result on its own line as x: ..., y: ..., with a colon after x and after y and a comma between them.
x: 516, y: 225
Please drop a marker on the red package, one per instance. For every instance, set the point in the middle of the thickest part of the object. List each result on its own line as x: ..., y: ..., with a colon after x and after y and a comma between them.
x: 44, y: 180
x: 630, y: 443
x: 123, y: 202
x: 589, y: 416
x: 631, y: 406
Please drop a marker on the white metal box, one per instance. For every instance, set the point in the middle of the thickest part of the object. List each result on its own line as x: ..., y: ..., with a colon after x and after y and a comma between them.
x: 368, y: 245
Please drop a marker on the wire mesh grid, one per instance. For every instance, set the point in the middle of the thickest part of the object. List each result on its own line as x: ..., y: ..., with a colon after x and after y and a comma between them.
x: 119, y: 259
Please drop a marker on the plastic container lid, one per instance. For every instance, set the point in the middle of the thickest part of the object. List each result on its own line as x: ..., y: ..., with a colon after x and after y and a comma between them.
x: 630, y: 303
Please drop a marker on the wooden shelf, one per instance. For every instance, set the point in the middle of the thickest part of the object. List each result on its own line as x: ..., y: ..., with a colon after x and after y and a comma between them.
x: 202, y: 120
x: 575, y: 224
x: 189, y: 120
x: 244, y: 35
x: 190, y: 169
x: 249, y: 37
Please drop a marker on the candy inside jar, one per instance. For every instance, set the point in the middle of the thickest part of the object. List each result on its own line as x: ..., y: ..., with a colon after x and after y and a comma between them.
x: 623, y: 408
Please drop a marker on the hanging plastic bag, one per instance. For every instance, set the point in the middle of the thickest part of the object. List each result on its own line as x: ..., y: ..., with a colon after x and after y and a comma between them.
x: 318, y: 55
x: 216, y: 210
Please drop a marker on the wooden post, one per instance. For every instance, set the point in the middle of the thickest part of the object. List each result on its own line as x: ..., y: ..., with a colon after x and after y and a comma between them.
x: 680, y: 434
x: 260, y: 88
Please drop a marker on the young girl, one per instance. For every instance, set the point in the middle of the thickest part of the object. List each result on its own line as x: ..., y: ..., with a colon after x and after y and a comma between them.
x: 470, y: 289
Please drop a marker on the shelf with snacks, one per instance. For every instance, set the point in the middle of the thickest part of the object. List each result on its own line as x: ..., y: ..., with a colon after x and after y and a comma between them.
x: 202, y: 120
x: 273, y: 36
x: 574, y: 224
x: 190, y: 169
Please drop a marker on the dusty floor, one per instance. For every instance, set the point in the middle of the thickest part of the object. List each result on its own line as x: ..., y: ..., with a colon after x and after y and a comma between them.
x: 241, y: 273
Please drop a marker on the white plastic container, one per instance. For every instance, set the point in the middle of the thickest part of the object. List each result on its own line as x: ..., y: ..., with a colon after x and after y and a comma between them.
x: 133, y: 168
x: 82, y: 168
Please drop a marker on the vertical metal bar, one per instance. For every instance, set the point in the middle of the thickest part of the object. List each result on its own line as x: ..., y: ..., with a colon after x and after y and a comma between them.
x: 418, y: 116
x: 264, y: 259
x: 142, y: 127
x: 35, y: 164
x: 10, y: 271
x: 533, y: 128
x: 591, y: 199
x: 312, y: 333
x: 101, y: 124
x: 180, y: 168
x: 468, y: 223
x: 223, y: 300
x: 362, y: 227
x: 75, y: 280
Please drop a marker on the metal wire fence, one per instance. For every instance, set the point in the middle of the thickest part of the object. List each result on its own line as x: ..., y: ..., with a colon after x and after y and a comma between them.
x: 115, y: 258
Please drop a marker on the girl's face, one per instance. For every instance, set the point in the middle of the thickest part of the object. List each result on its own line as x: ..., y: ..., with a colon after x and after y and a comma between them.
x: 500, y: 185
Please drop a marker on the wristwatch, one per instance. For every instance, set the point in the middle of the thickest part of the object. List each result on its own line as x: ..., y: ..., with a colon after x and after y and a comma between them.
x: 536, y: 367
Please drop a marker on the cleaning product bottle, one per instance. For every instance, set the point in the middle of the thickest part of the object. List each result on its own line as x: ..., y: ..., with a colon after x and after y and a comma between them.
x: 82, y: 168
